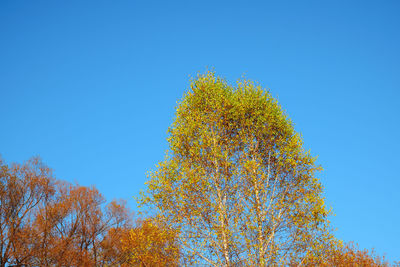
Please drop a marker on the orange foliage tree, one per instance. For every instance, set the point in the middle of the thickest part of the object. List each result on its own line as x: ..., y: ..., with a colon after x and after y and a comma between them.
x: 44, y: 222
x: 346, y: 255
x: 22, y: 189
x: 151, y: 243
x: 77, y: 230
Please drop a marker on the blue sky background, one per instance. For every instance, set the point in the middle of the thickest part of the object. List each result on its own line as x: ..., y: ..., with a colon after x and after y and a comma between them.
x: 91, y: 87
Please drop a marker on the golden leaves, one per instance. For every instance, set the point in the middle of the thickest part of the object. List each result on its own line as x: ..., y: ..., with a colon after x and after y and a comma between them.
x: 151, y: 244
x: 236, y: 174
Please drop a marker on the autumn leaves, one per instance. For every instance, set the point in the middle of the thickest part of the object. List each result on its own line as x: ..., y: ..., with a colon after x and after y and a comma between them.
x: 236, y: 183
x: 47, y: 222
x: 235, y: 189
x: 236, y: 163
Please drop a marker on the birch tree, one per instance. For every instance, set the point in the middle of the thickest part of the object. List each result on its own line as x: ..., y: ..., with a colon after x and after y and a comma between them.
x: 236, y: 182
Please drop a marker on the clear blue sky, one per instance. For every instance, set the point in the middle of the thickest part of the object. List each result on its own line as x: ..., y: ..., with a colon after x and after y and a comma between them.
x: 91, y: 87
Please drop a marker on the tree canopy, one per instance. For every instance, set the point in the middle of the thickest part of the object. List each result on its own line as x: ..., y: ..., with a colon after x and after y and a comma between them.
x: 49, y: 222
x: 236, y: 181
x: 236, y: 188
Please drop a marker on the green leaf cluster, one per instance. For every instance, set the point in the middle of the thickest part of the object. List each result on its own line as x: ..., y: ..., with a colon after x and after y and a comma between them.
x: 236, y: 181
